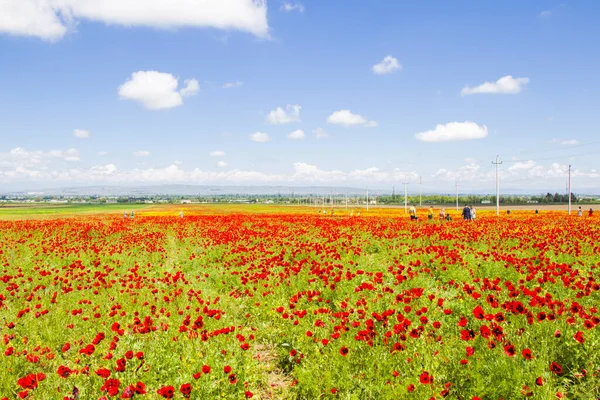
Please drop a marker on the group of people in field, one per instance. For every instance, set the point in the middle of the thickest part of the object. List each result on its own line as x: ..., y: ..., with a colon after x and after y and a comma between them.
x: 126, y: 215
x: 442, y: 215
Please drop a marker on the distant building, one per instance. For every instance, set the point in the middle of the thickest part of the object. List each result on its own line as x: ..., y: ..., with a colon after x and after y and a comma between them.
x: 486, y: 202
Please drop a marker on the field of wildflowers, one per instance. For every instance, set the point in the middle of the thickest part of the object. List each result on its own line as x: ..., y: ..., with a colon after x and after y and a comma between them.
x: 300, y: 306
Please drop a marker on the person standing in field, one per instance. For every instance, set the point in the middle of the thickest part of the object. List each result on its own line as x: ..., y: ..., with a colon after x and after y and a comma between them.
x: 466, y: 213
x: 430, y: 213
x: 181, y: 214
x: 125, y: 215
x: 473, y: 213
x: 579, y: 212
x: 442, y: 214
x: 132, y: 214
x: 590, y: 212
x: 413, y: 213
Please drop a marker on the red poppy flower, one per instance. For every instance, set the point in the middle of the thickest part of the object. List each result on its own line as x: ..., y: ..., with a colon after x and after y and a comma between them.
x: 539, y: 381
x: 167, y: 392
x: 556, y: 368
x: 527, y: 354
x: 344, y: 351
x: 232, y: 379
x: 509, y: 350
x: 425, y: 378
x: 205, y: 369
x: 186, y: 389
x: 140, y: 388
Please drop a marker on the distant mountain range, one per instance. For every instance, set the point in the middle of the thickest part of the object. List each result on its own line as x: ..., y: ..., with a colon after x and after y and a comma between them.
x: 202, y: 190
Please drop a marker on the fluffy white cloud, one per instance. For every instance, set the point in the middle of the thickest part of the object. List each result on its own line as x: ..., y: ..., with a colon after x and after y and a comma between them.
x: 81, y: 133
x: 52, y: 19
x: 157, y: 90
x: 320, y: 133
x: 260, y: 137
x: 191, y: 88
x: 217, y: 153
x: 388, y: 65
x: 289, y: 7
x: 505, y: 85
x: 296, y: 135
x: 279, y: 116
x: 347, y: 118
x: 230, y: 85
x: 221, y: 164
x: 454, y: 131
x: 141, y: 153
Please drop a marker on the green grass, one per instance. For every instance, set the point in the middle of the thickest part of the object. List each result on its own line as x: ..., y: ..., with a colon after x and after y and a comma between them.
x: 15, y: 211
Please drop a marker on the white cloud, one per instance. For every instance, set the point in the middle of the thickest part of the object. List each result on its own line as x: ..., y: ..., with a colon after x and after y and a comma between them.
x: 141, y: 153
x: 570, y: 142
x: 22, y: 158
x: 69, y: 155
x: 221, y: 164
x: 52, y: 19
x: 347, y: 118
x: 320, y: 133
x: 309, y: 173
x: 81, y: 133
x: 157, y: 90
x: 505, y: 85
x: 102, y: 153
x: 289, y: 7
x: 191, y: 88
x: 296, y: 135
x: 259, y: 137
x: 217, y: 153
x: 522, y: 166
x: 454, y: 131
x: 279, y: 116
x: 230, y: 85
x: 388, y: 65
x: 27, y: 168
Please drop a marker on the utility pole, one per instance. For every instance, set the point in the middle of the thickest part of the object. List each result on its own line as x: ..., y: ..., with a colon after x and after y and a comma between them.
x: 569, y: 189
x: 367, y: 199
x: 405, y: 196
x: 420, y: 190
x: 456, y: 184
x: 497, y: 186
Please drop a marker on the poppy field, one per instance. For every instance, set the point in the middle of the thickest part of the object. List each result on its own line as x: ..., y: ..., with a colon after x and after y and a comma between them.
x: 299, y: 305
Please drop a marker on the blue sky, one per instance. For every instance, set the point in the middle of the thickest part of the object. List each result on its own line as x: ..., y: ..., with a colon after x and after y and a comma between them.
x: 114, y: 72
